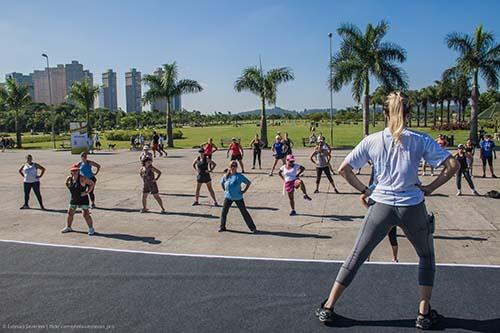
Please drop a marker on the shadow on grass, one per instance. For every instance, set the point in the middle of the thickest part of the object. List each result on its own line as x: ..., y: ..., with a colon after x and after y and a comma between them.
x: 281, y: 234
x: 473, y: 325
x: 125, y: 237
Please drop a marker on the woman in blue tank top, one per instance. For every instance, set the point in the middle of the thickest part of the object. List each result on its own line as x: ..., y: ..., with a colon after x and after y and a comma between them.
x: 86, y: 171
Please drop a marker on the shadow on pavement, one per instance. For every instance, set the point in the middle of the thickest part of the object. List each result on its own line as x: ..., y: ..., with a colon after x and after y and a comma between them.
x: 262, y: 208
x: 125, y: 237
x: 349, y: 218
x: 207, y: 216
x: 461, y: 238
x: 181, y: 195
x: 473, y: 325
x: 281, y: 234
x: 62, y: 211
x: 119, y: 209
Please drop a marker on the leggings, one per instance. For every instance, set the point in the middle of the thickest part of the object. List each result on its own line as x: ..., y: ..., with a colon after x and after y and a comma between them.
x: 393, y: 236
x: 327, y: 172
x: 467, y: 177
x: 256, y: 156
x: 91, y: 194
x: 378, y: 221
x: 243, y: 210
x: 36, y: 188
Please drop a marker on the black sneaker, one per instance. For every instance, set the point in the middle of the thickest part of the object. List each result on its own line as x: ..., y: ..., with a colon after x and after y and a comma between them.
x: 293, y: 213
x: 493, y: 176
x: 222, y: 229
x: 425, y: 322
x: 325, y: 315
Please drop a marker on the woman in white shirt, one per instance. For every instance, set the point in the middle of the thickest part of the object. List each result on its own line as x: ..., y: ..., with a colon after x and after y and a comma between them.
x: 31, y: 178
x: 290, y: 173
x: 398, y: 200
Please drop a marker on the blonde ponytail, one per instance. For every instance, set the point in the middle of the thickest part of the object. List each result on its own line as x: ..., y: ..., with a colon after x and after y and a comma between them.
x: 397, y: 106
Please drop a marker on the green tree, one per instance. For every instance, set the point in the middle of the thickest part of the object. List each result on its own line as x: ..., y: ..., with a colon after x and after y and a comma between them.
x: 425, y: 98
x: 478, y: 54
x: 166, y: 85
x: 15, y: 97
x: 487, y: 99
x: 378, y: 98
x: 264, y: 85
x: 363, y: 55
x: 83, y: 94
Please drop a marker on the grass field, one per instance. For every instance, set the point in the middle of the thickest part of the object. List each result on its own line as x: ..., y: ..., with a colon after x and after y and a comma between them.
x: 343, y: 135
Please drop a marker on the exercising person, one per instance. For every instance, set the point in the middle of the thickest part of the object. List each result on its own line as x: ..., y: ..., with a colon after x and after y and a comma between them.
x: 31, y: 180
x: 470, y: 149
x: 486, y: 154
x: 236, y: 152
x: 290, y: 173
x: 210, y: 149
x: 161, y: 146
x: 288, y: 143
x: 150, y: 185
x: 146, y: 153
x: 86, y: 171
x: 398, y: 201
x: 155, y: 144
x: 202, y: 166
x: 321, y: 157
x: 462, y: 157
x: 79, y: 187
x: 278, y: 150
x: 257, y: 145
x: 231, y: 184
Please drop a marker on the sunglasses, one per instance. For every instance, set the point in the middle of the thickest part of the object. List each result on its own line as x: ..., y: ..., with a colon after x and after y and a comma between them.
x: 234, y: 165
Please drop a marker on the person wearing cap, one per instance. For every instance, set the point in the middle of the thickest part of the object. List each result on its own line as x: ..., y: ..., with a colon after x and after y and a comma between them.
x: 279, y: 149
x: 236, y: 152
x: 79, y: 186
x: 321, y: 157
x: 146, y: 153
x: 290, y: 173
x: 231, y: 184
x: 462, y: 156
x: 31, y: 180
x: 150, y: 186
x: 203, y: 168
x: 86, y: 170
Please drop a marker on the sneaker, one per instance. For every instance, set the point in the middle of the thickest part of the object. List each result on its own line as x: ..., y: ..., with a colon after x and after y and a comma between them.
x: 270, y: 174
x: 432, y: 174
x: 92, y: 206
x: 91, y: 231
x: 66, y: 230
x: 493, y: 176
x: 483, y: 176
x: 253, y: 168
x: 395, y: 261
x: 196, y: 203
x: 216, y: 204
x: 325, y: 315
x: 163, y: 211
x: 306, y: 197
x: 144, y: 210
x: 222, y: 229
x: 24, y: 207
x: 316, y: 191
x: 254, y: 231
x: 475, y: 192
x: 459, y: 193
x: 293, y: 213
x: 425, y: 322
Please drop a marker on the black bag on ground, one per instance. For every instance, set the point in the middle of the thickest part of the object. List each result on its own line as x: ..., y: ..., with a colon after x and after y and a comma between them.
x: 493, y: 194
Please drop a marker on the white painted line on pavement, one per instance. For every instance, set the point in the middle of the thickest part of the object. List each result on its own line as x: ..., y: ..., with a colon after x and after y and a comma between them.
x: 215, y: 256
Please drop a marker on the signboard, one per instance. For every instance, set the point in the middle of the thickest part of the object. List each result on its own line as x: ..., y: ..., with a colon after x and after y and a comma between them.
x: 79, y: 139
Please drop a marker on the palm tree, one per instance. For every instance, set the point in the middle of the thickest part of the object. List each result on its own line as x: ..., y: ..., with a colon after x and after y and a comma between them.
x: 363, y: 55
x: 459, y: 88
x: 479, y: 54
x: 378, y: 98
x: 264, y: 85
x: 441, y: 97
x: 425, y: 96
x: 15, y: 97
x: 166, y: 85
x: 432, y: 92
x: 83, y: 94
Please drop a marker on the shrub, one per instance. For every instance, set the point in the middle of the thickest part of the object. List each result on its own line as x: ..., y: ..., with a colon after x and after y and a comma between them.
x: 124, y: 135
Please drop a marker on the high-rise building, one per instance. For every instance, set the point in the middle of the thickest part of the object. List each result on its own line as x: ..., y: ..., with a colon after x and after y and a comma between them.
x: 58, y: 85
x: 75, y: 72
x: 109, y: 90
x: 161, y: 104
x: 22, y: 79
x: 133, y: 91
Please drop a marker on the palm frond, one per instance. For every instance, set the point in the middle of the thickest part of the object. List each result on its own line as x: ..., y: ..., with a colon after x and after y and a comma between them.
x: 388, y: 51
x: 490, y: 75
x: 250, y: 80
x: 459, y: 42
x: 187, y: 86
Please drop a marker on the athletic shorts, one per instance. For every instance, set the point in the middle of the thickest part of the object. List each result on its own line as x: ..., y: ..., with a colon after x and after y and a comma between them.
x: 279, y: 157
x: 150, y: 188
x: 488, y: 159
x: 83, y: 207
x: 291, y: 185
x: 209, y: 156
x: 155, y: 146
x: 236, y: 158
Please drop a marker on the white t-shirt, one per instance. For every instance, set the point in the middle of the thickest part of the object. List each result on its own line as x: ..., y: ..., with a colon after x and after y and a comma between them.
x: 396, y: 166
x: 290, y: 173
x: 30, y: 173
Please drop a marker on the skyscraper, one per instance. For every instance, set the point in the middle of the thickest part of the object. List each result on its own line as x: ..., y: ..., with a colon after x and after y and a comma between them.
x: 58, y: 85
x: 133, y: 91
x: 22, y: 79
x: 110, y: 93
x: 161, y: 104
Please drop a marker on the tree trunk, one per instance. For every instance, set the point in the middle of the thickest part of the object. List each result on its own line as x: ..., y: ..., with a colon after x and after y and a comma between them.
x: 418, y: 115
x: 18, y: 131
x: 474, y: 110
x: 425, y: 114
x: 448, y: 115
x: 366, y: 108
x: 409, y: 115
x: 374, y: 113
x: 263, y: 124
x: 441, y: 105
x: 434, y: 121
x: 89, y: 129
x: 170, y: 133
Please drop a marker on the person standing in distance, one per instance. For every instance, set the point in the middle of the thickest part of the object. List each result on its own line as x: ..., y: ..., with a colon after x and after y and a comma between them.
x: 398, y: 201
x: 486, y: 154
x: 31, y: 180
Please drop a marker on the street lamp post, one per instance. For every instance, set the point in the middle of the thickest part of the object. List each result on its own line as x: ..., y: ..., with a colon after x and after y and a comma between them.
x: 50, y: 102
x: 331, y: 90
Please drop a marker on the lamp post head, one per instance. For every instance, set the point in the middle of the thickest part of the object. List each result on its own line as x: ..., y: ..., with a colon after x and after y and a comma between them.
x: 330, y: 35
x: 44, y: 55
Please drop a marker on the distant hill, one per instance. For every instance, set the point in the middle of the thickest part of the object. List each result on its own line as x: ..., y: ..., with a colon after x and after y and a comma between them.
x: 280, y: 111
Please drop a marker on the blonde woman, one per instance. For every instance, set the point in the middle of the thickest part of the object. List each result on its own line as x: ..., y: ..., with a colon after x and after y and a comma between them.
x: 398, y: 200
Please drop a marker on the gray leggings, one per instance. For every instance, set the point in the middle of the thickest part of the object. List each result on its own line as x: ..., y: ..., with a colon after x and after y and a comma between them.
x: 378, y: 221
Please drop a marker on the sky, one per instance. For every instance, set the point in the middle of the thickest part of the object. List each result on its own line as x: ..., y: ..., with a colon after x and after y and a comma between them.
x: 213, y: 41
